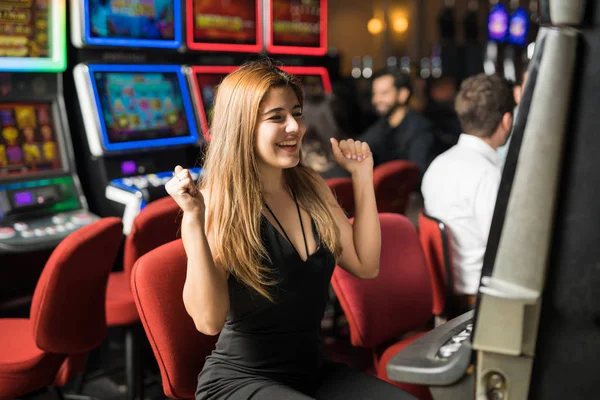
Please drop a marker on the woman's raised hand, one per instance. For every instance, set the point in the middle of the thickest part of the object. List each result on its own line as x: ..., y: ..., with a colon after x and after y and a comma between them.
x: 353, y: 155
x: 185, y: 193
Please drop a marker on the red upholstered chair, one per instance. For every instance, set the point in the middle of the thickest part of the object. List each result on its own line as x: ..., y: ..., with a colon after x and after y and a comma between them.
x: 67, y: 317
x: 157, y: 282
x: 435, y: 240
x: 343, y: 191
x: 155, y: 225
x: 394, y: 181
x: 382, y: 312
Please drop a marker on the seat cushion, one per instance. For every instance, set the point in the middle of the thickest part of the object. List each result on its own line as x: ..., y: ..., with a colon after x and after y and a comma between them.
x: 24, y: 367
x: 421, y: 392
x: 120, y: 307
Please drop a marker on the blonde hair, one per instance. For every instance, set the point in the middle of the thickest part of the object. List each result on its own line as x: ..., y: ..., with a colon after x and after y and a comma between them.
x: 231, y: 176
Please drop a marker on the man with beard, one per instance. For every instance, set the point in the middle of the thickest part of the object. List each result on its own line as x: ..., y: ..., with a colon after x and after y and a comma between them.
x: 399, y: 134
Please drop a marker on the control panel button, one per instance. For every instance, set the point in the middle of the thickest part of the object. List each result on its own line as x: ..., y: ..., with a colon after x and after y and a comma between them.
x: 128, y: 181
x: 7, y: 233
x: 58, y: 219
x: 81, y: 219
x: 140, y: 182
x: 50, y: 230
x: 20, y: 226
x: 60, y: 228
x: 27, y: 233
x: 154, y: 180
x: 70, y: 225
x: 39, y: 232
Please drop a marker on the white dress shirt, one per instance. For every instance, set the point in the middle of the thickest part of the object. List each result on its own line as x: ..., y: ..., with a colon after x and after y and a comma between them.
x: 460, y: 188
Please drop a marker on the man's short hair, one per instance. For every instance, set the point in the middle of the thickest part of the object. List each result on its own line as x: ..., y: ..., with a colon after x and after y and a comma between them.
x: 482, y: 102
x: 401, y: 79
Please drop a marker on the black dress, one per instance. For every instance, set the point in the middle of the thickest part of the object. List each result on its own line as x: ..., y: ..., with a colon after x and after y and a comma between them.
x: 273, y: 350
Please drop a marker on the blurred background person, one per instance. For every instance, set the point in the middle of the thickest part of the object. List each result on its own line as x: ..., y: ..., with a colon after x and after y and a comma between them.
x: 400, y: 133
x: 325, y: 117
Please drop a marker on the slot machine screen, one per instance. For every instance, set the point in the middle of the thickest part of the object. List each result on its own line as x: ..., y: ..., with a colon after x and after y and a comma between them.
x: 141, y: 109
x: 32, y: 35
x: 207, y: 84
x: 224, y: 25
x: 498, y: 23
x: 518, y: 27
x: 28, y: 142
x: 145, y: 23
x: 204, y: 80
x: 297, y: 27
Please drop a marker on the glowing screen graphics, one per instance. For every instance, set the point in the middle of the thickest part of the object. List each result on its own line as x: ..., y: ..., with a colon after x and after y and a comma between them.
x: 518, y: 27
x: 228, y: 22
x: 28, y: 142
x: 145, y: 23
x: 298, y: 24
x: 32, y: 35
x: 498, y: 23
x: 142, y: 107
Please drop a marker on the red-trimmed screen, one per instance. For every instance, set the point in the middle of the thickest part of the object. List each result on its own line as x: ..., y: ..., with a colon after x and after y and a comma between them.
x: 297, y: 23
x: 232, y: 23
x: 28, y: 142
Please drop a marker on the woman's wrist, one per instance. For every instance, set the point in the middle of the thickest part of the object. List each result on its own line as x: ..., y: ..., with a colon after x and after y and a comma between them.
x: 193, y: 218
x: 363, y: 177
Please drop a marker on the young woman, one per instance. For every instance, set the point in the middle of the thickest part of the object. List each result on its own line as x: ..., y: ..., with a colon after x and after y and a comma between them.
x: 262, y: 234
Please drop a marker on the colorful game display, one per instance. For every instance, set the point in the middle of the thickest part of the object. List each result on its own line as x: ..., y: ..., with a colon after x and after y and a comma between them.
x: 224, y: 25
x: 28, y: 143
x: 32, y: 35
x: 142, y: 23
x: 498, y: 23
x: 141, y: 106
x: 297, y: 27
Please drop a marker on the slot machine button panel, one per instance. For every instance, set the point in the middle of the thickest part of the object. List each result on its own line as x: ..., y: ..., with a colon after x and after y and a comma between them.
x: 20, y: 226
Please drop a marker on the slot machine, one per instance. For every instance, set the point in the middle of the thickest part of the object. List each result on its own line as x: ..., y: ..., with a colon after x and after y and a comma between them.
x: 137, y: 119
x: 534, y: 331
x: 139, y: 125
x: 41, y: 199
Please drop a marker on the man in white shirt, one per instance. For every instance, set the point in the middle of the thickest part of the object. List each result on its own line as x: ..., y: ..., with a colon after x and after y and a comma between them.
x: 461, y: 185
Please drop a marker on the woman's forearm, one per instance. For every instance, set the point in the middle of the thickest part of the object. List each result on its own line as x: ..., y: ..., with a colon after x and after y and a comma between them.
x: 366, y: 229
x: 205, y: 293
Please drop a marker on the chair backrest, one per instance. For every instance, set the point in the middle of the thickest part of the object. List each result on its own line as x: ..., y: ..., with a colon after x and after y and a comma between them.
x: 67, y: 311
x: 381, y: 310
x: 343, y: 191
x: 155, y: 225
x: 394, y: 181
x: 435, y: 240
x: 157, y: 283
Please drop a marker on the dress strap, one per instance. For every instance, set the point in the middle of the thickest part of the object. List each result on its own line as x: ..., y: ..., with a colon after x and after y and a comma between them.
x: 301, y: 225
x: 278, y: 223
x: 283, y: 230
